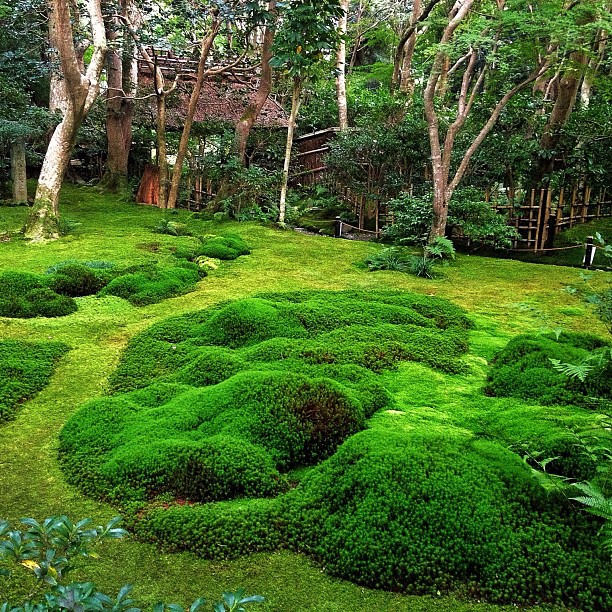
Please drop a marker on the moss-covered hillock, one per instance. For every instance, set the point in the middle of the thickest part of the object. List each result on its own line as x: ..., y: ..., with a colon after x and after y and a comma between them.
x: 285, y: 380
x: 524, y: 369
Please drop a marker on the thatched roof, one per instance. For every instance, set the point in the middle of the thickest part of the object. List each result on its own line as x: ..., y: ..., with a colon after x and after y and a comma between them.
x: 222, y: 99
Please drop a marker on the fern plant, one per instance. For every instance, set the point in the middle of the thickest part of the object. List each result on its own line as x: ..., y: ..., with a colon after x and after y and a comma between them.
x: 598, y: 504
x: 571, y: 370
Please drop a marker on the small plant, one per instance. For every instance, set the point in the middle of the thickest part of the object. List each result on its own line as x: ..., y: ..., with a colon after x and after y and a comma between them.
x: 422, y: 265
x: 171, y: 228
x: 66, y: 226
x: 392, y: 258
x: 440, y: 248
x: 48, y: 551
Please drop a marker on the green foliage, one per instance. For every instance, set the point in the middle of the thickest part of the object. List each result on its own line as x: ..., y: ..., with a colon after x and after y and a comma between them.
x: 526, y: 368
x: 227, y: 247
x: 25, y: 295
x: 47, y: 552
x: 308, y: 31
x: 228, y: 399
x: 598, y: 504
x: 468, y: 213
x: 421, y: 265
x: 148, y: 284
x: 25, y: 369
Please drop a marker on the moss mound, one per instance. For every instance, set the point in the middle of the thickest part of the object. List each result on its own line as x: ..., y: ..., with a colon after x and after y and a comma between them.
x: 25, y: 369
x: 524, y: 369
x: 77, y: 280
x: 414, y: 511
x: 149, y: 284
x: 287, y: 378
x: 24, y: 295
x: 227, y: 247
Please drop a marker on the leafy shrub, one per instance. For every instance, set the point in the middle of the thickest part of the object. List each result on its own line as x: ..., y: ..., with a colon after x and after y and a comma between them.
x: 524, y: 369
x: 144, y: 285
x: 468, y: 212
x: 24, y: 295
x: 76, y: 280
x: 223, y: 247
x: 25, y: 369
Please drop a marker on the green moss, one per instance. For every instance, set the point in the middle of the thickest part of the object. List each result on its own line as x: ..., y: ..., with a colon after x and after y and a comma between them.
x: 225, y: 247
x: 25, y: 369
x: 524, y: 369
x: 150, y: 284
x: 24, y: 295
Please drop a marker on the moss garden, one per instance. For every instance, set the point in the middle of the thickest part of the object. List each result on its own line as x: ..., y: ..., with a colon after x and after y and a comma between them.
x: 330, y: 438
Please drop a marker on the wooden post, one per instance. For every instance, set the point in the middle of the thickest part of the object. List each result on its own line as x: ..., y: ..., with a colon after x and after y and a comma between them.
x: 338, y: 228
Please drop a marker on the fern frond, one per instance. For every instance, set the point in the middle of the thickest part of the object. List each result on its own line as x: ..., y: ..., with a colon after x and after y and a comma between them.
x: 579, y: 371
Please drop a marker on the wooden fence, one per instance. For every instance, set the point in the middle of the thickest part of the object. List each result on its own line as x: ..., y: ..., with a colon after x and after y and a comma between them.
x: 545, y: 212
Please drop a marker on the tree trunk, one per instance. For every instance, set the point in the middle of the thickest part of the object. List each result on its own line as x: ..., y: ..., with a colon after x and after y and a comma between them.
x: 43, y: 222
x: 406, y: 84
x: 295, y: 107
x: 188, y: 121
x: 341, y: 68
x: 148, y: 190
x: 79, y: 93
x: 246, y: 122
x: 18, y: 172
x: 162, y: 155
x: 567, y: 94
x: 119, y: 108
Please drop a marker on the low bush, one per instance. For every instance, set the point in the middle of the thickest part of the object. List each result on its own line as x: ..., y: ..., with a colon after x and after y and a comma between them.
x: 524, y: 369
x: 25, y: 295
x: 25, y: 369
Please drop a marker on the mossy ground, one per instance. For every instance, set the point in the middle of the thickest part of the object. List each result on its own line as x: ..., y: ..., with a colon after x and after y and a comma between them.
x: 503, y: 297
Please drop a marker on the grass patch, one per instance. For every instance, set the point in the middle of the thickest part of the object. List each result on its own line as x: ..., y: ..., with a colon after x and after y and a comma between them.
x: 25, y: 369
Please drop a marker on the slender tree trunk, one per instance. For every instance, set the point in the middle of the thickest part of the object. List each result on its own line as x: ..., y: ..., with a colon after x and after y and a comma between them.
x: 295, y: 107
x: 188, y: 121
x: 406, y: 83
x: 80, y: 92
x: 341, y: 68
x: 18, y: 171
x: 162, y: 154
x: 246, y: 122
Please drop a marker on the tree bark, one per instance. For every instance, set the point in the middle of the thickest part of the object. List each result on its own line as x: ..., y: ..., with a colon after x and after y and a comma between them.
x: 406, y: 84
x: 295, y: 107
x: 121, y: 75
x: 246, y: 122
x: 341, y: 68
x: 18, y: 172
x: 177, y: 173
x: 79, y: 93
